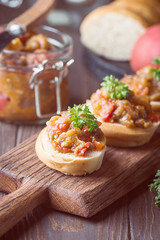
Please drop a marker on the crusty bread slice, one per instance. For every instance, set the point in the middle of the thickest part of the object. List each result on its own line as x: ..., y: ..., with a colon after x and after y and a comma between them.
x: 64, y: 162
x: 111, y: 32
x: 121, y: 136
x: 154, y: 4
x: 148, y: 12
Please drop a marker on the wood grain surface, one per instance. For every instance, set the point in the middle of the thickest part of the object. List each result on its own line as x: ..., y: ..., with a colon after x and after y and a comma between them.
x: 84, y: 196
x: 132, y: 217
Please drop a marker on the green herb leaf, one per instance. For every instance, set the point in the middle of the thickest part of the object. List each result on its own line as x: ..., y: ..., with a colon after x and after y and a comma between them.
x: 115, y: 89
x: 155, y: 187
x: 156, y: 71
x: 80, y: 115
x: 156, y: 60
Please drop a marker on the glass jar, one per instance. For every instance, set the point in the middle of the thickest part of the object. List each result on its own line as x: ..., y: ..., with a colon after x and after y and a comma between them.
x: 34, y: 85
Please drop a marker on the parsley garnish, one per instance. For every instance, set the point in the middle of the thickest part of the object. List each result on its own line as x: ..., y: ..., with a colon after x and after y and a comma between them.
x: 155, y: 187
x: 156, y: 60
x: 115, y: 89
x: 80, y: 116
x: 156, y: 71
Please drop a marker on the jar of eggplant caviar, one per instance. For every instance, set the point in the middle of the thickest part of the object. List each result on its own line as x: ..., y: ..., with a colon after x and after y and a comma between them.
x: 34, y: 76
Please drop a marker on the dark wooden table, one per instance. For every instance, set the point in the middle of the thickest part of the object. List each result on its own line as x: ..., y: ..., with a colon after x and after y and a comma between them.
x: 132, y: 217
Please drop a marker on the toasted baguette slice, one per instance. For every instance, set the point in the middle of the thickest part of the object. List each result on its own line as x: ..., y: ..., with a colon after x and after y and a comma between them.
x: 112, y: 32
x: 67, y: 163
x: 121, y: 136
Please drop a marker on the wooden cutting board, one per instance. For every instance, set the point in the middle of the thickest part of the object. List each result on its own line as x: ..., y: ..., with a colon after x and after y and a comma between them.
x: 30, y: 183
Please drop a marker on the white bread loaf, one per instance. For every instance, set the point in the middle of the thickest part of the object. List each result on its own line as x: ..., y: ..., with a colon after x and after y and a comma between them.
x: 112, y: 30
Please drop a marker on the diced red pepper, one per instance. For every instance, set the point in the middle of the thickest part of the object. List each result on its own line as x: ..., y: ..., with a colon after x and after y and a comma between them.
x: 106, y: 117
x: 60, y: 125
x: 3, y: 100
x: 144, y: 91
x: 82, y: 151
x: 64, y: 113
x: 154, y: 117
x: 62, y: 149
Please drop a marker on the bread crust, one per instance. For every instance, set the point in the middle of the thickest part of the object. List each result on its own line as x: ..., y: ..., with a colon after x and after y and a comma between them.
x: 149, y: 13
x: 96, y: 39
x: 121, y: 136
x: 103, y: 10
x: 67, y: 163
x: 154, y: 3
x: 155, y: 106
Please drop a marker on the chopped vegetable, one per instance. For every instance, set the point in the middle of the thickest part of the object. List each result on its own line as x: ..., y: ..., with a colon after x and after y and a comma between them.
x: 156, y: 71
x: 82, y: 151
x: 80, y: 116
x: 108, y: 114
x: 71, y: 131
x: 155, y: 187
x: 115, y: 89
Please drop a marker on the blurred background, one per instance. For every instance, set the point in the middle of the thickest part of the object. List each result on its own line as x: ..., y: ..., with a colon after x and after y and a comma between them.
x: 68, y: 12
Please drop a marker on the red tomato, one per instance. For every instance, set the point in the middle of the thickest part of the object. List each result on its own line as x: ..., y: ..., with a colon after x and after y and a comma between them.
x: 3, y: 100
x: 146, y: 48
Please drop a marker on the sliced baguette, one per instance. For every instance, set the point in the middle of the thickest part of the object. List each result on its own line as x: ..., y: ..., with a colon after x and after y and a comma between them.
x: 153, y: 4
x: 149, y: 13
x: 67, y: 163
x: 121, y: 136
x: 112, y: 32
